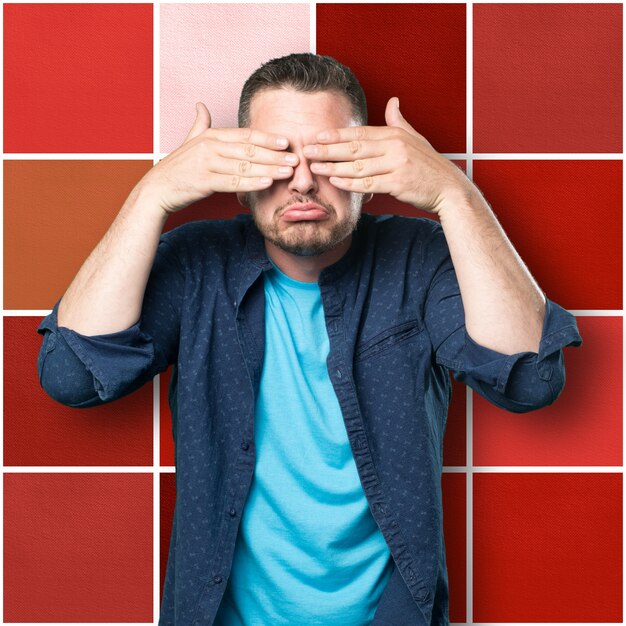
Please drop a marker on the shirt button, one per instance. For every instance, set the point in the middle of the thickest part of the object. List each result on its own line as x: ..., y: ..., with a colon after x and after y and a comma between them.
x: 235, y: 303
x: 232, y: 512
x: 339, y: 373
x: 217, y: 579
x: 245, y: 445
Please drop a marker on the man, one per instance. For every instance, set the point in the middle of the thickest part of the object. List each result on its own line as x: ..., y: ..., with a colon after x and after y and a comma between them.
x: 311, y: 345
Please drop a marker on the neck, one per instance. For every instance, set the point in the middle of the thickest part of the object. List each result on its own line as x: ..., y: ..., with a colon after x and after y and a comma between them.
x: 305, y: 268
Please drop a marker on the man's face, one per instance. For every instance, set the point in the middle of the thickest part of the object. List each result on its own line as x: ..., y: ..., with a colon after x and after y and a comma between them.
x: 300, y: 116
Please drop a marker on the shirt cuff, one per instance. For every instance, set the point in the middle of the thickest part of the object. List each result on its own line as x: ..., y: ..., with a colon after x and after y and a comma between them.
x: 496, y: 369
x: 119, y: 362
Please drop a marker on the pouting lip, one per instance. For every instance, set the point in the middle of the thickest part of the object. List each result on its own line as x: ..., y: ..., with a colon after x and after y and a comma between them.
x: 307, y: 206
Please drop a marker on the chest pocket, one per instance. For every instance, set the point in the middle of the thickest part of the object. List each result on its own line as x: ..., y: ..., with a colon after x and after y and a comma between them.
x: 387, y: 339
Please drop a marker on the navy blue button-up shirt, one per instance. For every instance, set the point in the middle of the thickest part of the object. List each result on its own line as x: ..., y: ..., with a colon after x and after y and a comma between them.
x: 395, y: 323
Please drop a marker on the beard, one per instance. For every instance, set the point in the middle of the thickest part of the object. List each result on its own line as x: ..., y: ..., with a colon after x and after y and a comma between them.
x: 307, y: 238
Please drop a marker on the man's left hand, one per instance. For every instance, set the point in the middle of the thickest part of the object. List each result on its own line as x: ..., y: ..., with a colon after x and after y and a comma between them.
x: 393, y: 159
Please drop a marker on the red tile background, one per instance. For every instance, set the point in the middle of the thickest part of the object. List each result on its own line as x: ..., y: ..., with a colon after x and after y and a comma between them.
x: 78, y: 547
x: 547, y: 547
x: 40, y: 431
x: 565, y: 220
x: 584, y: 426
x: 78, y: 77
x: 547, y: 77
x: 413, y: 51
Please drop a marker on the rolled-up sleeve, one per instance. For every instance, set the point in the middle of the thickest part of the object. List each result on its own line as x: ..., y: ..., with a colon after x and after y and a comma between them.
x: 83, y: 371
x: 519, y: 382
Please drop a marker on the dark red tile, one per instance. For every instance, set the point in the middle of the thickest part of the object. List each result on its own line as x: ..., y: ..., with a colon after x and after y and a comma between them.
x: 40, y: 431
x: 413, y: 51
x: 565, y: 220
x: 453, y: 487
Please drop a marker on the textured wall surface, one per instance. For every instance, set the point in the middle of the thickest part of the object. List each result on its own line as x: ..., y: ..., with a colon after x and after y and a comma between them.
x: 525, y: 97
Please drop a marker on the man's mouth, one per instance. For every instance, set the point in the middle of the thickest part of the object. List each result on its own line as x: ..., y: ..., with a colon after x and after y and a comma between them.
x: 309, y: 211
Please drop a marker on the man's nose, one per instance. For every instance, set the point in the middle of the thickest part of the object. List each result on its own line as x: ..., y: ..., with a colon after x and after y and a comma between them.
x: 303, y: 180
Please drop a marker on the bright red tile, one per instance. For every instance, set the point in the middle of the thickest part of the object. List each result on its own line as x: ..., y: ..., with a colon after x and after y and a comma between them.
x: 584, y: 425
x: 565, y: 220
x: 78, y: 77
x: 413, y: 51
x: 547, y: 547
x: 547, y: 77
x: 78, y: 547
x: 454, y: 530
x: 40, y: 431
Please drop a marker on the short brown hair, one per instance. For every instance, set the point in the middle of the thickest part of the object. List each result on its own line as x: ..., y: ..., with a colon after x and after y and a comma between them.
x: 306, y: 72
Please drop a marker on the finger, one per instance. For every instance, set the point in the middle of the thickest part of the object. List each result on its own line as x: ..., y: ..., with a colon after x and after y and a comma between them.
x: 231, y: 183
x: 241, y: 167
x: 346, y: 151
x: 253, y: 136
x: 368, y: 184
x: 256, y: 154
x: 201, y: 123
x: 352, y: 133
x: 359, y: 168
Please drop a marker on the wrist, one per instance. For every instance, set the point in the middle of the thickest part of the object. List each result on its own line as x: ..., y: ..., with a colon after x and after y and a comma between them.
x: 462, y: 199
x: 146, y: 198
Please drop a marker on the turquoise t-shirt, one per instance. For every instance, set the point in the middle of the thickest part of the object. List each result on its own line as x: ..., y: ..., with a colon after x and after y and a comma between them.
x: 308, y: 551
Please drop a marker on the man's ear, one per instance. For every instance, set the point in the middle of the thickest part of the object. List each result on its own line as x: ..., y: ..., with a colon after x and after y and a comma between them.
x: 242, y: 199
x: 367, y: 197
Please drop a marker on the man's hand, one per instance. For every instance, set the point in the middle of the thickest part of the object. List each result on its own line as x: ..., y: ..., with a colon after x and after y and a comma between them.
x: 218, y: 159
x: 393, y: 159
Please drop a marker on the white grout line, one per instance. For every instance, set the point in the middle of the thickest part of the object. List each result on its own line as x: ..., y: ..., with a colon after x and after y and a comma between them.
x: 313, y: 26
x: 156, y: 476
x: 459, y: 156
x: 469, y: 449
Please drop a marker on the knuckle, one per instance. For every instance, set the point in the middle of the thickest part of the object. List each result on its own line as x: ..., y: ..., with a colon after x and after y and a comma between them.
x: 358, y: 165
x: 368, y: 182
x: 234, y: 182
x: 243, y: 166
x: 360, y: 132
x: 355, y: 146
x: 249, y: 149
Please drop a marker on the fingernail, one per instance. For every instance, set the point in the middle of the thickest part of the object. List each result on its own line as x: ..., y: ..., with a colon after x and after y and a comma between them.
x: 281, y: 141
x: 284, y: 170
x: 291, y: 158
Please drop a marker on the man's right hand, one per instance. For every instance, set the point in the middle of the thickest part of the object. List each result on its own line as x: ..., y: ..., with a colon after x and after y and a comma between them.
x: 217, y: 159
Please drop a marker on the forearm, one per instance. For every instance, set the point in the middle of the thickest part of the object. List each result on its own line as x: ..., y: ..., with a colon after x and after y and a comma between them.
x: 106, y: 294
x: 504, y: 307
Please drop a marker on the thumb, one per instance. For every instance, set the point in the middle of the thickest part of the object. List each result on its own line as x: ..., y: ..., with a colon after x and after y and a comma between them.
x: 201, y: 123
x: 393, y: 117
